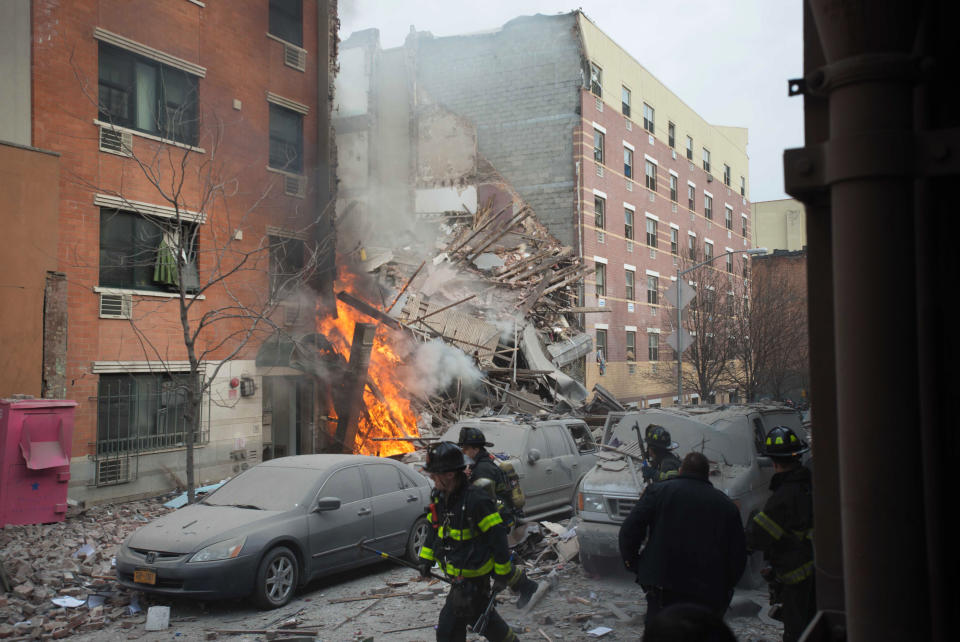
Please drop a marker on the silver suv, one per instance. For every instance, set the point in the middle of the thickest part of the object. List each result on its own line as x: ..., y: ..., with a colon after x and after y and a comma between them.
x: 731, y: 437
x: 549, y: 455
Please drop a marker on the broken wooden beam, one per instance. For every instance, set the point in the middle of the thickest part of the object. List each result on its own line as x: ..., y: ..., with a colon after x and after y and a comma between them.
x: 405, y: 286
x: 367, y: 309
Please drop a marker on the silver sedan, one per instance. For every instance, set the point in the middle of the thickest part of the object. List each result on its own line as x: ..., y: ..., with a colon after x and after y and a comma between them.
x: 279, y: 525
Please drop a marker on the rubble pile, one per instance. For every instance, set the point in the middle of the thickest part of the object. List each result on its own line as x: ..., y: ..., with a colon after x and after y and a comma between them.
x: 61, y: 577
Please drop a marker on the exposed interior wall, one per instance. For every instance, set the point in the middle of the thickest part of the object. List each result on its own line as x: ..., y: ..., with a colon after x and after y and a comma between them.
x: 15, y: 71
x: 780, y: 225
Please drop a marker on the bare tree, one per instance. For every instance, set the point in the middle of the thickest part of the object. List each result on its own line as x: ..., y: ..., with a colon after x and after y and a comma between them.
x: 226, y: 290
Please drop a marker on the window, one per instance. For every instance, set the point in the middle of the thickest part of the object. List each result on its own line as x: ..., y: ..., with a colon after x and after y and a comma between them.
x: 625, y: 101
x: 598, y: 146
x: 601, y: 278
x: 628, y: 224
x: 601, y: 348
x: 143, y: 411
x: 383, y: 478
x: 691, y: 247
x: 631, y: 345
x: 648, y: 117
x: 743, y: 186
x: 691, y: 197
x: 346, y: 485
x: 286, y: 139
x: 743, y: 226
x: 599, y: 212
x: 689, y: 149
x: 674, y: 241
x: 147, y: 96
x: 726, y: 175
x: 651, y: 232
x: 627, y: 162
x: 730, y: 265
x: 652, y: 283
x: 653, y: 342
x: 140, y: 252
x: 286, y: 265
x: 596, y: 80
x: 286, y: 20
x: 671, y: 134
x: 708, y: 207
x: 651, y: 176
x: 728, y: 218
x: 707, y: 251
x: 706, y: 159
x: 631, y: 280
x: 673, y: 188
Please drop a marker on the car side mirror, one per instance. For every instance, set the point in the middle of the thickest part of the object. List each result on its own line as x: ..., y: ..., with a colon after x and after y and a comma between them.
x: 533, y: 456
x: 327, y: 503
x: 764, y: 462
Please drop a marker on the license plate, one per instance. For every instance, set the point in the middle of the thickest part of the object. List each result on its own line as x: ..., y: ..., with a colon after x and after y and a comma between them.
x: 144, y: 576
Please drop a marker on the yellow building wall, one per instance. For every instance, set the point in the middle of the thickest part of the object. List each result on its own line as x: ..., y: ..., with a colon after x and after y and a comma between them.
x: 727, y: 145
x: 779, y: 225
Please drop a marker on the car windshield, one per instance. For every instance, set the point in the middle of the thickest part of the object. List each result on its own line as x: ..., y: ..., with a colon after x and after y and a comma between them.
x: 505, y: 437
x: 729, y: 442
x: 267, y: 488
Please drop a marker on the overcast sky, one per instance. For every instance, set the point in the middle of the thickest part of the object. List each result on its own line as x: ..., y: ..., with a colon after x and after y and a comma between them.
x: 729, y: 61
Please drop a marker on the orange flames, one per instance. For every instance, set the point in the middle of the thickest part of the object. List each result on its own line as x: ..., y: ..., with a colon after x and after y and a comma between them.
x: 390, y: 416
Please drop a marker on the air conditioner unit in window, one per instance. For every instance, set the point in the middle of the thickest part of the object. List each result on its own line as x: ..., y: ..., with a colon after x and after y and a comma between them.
x: 295, y: 186
x: 116, y: 306
x: 599, y: 105
x: 295, y: 57
x: 599, y: 170
x: 114, y: 141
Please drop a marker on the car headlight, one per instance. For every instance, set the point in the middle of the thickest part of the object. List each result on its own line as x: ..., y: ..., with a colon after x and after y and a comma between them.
x: 592, y: 503
x: 225, y: 550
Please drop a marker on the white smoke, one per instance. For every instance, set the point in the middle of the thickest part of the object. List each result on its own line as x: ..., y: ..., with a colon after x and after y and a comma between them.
x: 435, y: 366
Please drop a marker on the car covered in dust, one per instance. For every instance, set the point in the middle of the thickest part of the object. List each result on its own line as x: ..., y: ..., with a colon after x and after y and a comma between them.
x: 278, y: 525
x: 549, y: 455
x: 731, y: 437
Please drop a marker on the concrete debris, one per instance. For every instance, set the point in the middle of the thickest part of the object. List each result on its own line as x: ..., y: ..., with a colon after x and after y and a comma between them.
x: 56, y: 569
x: 158, y: 618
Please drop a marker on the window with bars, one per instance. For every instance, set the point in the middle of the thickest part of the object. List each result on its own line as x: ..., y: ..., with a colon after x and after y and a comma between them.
x: 628, y: 162
x: 625, y: 101
x: 652, y: 283
x: 145, y: 95
x: 598, y: 146
x: 599, y: 212
x: 631, y: 345
x: 651, y: 176
x: 673, y: 188
x: 653, y: 346
x: 596, y: 80
x: 630, y: 278
x: 628, y: 224
x: 651, y: 232
x: 671, y: 134
x: 708, y: 207
x: 648, y: 118
x: 600, y: 276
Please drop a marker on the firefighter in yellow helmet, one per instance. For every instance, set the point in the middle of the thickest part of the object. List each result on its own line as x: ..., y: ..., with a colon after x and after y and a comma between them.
x: 783, y: 530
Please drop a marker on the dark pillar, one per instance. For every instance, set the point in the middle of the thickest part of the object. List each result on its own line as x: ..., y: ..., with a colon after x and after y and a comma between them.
x: 351, y: 408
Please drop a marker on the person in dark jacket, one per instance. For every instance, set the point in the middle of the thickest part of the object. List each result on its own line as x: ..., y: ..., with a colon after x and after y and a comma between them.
x: 695, y: 550
x: 783, y: 530
x: 469, y: 543
x: 660, y: 446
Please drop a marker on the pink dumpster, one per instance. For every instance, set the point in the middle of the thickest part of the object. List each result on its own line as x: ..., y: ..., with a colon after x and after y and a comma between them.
x: 35, y: 443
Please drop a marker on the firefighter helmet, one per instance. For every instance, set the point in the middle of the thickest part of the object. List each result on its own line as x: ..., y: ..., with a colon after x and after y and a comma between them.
x: 444, y: 457
x: 784, y: 444
x: 658, y: 437
x: 472, y: 437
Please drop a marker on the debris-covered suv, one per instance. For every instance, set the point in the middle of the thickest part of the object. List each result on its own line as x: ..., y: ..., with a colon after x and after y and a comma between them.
x: 731, y: 437
x: 549, y: 455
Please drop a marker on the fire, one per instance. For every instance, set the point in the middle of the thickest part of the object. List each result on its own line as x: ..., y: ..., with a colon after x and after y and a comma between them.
x: 386, y: 418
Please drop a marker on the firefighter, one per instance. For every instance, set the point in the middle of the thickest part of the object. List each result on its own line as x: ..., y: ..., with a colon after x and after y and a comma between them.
x: 783, y: 530
x: 469, y: 542
x: 664, y: 463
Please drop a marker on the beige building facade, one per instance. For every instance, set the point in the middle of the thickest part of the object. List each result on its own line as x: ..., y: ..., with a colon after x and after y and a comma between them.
x: 780, y: 225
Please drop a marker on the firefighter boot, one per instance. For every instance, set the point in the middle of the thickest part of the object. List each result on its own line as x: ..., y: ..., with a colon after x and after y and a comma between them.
x: 525, y: 588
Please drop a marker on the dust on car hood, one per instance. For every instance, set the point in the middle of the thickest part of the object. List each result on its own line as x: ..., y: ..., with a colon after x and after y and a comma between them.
x: 185, y: 530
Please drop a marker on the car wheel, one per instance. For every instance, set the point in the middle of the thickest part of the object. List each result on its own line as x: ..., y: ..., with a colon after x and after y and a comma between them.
x: 418, y: 536
x: 276, y: 578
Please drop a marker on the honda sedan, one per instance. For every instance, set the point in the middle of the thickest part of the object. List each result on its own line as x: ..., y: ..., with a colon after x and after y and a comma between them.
x: 279, y: 525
